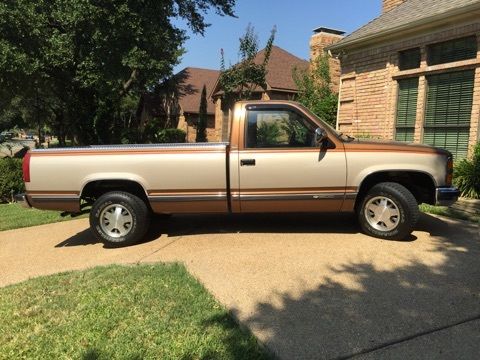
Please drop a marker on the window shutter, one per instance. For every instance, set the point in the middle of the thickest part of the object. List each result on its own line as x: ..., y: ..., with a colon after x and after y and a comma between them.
x: 453, y: 50
x: 409, y: 59
x: 449, y: 110
x: 406, y: 109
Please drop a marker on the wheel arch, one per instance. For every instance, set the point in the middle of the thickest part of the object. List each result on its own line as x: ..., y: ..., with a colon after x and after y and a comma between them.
x: 95, y: 188
x: 420, y: 183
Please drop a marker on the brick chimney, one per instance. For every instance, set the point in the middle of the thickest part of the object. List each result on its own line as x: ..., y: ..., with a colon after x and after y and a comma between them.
x: 322, y: 38
x: 391, y: 4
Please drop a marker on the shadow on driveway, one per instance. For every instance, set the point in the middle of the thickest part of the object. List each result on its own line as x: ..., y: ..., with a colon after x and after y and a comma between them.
x: 183, y: 225
x: 408, y: 312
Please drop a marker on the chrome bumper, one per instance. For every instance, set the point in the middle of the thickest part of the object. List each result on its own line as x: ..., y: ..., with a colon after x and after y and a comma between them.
x: 446, y: 196
x: 22, y: 200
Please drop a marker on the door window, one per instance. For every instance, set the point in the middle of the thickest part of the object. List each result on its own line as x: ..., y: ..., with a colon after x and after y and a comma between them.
x: 278, y: 128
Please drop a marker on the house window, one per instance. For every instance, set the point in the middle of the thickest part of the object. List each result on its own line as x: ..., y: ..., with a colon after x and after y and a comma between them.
x: 448, y: 111
x: 453, y: 50
x: 406, y: 109
x: 409, y: 59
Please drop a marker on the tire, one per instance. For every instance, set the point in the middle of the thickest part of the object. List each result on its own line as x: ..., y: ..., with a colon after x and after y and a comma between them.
x: 131, y: 216
x: 388, y: 211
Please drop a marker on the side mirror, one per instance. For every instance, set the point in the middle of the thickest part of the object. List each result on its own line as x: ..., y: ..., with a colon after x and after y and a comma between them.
x: 320, y: 136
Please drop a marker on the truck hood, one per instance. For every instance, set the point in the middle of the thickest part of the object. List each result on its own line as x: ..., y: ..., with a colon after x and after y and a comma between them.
x: 392, y: 146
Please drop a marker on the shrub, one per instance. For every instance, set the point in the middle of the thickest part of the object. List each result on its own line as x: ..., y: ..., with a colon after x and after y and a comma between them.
x: 466, y: 175
x: 10, y: 178
x: 171, y: 136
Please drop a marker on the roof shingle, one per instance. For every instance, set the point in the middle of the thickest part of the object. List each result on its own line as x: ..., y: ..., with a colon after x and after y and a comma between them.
x: 280, y: 68
x: 194, y: 79
x: 409, y: 12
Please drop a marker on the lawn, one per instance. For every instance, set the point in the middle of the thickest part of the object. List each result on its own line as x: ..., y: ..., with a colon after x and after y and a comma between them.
x: 13, y: 216
x: 448, y: 212
x: 119, y: 312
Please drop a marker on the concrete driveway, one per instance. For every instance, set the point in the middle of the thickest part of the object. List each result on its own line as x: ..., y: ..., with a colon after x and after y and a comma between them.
x: 308, y: 286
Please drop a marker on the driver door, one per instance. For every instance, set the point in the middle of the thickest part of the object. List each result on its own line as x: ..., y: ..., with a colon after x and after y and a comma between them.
x: 281, y: 169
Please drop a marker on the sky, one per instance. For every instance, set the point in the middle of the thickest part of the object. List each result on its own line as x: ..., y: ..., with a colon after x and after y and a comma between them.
x: 295, y: 21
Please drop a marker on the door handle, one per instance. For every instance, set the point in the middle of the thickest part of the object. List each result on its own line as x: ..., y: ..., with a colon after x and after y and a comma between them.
x: 247, y: 162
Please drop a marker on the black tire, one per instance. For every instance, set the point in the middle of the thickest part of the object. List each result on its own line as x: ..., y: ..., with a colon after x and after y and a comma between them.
x: 399, y: 200
x: 132, y: 221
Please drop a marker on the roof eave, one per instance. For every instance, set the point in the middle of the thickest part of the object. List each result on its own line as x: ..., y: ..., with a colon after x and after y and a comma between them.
x: 413, y: 26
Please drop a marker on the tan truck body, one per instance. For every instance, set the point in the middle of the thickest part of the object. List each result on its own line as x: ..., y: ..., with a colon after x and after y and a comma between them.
x: 233, y: 177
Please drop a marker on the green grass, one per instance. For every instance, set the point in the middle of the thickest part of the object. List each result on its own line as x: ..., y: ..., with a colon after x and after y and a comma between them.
x: 13, y: 216
x: 119, y: 312
x: 448, y: 212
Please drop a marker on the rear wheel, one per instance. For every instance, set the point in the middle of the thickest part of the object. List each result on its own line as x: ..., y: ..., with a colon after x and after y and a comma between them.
x: 119, y: 218
x: 388, y: 211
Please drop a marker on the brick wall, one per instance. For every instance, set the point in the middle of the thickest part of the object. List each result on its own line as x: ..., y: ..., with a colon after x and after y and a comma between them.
x: 368, y: 95
x: 187, y: 123
x: 390, y: 4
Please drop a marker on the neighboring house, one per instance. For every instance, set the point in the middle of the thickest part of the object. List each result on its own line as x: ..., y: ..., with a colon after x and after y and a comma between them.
x: 280, y: 85
x: 413, y: 74
x: 192, y: 82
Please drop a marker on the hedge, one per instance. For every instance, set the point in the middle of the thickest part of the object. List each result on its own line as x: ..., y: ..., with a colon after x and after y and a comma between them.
x: 11, y: 181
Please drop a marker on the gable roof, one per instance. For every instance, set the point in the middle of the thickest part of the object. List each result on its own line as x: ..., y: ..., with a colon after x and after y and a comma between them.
x: 194, y: 79
x: 280, y: 67
x: 279, y: 70
x: 405, y: 15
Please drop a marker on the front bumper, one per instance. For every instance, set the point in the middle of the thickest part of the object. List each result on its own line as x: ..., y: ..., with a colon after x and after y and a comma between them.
x: 446, y: 196
x: 22, y: 200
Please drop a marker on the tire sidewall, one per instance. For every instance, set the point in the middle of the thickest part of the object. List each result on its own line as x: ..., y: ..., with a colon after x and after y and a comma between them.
x: 404, y: 226
x: 132, y: 207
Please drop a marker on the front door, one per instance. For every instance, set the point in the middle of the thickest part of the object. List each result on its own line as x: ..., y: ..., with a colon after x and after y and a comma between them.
x: 281, y: 169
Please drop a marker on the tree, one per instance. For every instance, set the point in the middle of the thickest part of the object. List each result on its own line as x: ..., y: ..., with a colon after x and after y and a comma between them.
x: 202, y: 117
x: 89, y: 55
x: 240, y: 81
x: 315, y: 89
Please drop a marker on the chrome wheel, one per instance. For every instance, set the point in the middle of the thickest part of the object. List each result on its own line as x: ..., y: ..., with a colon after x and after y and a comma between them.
x: 382, y: 213
x: 116, y: 221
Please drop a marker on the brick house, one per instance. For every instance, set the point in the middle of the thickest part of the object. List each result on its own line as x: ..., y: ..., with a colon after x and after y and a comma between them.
x: 413, y: 74
x: 280, y: 85
x: 193, y: 80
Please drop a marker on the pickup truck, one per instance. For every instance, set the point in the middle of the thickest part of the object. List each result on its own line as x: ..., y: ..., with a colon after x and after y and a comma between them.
x: 280, y: 158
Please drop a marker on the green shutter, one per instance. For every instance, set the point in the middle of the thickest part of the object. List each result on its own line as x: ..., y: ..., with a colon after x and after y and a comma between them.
x: 409, y: 59
x: 448, y: 111
x: 406, y: 109
x: 453, y: 50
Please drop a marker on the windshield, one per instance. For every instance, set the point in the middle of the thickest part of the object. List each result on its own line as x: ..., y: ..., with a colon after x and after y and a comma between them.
x: 340, y: 135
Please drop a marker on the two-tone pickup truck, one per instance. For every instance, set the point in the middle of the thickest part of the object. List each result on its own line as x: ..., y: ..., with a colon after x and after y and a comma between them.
x: 280, y: 158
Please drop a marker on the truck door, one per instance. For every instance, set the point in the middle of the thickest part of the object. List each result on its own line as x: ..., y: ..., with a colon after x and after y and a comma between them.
x: 281, y: 169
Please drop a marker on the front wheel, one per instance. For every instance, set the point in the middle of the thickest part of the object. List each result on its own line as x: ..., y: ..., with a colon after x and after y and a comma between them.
x: 388, y: 211
x: 119, y: 218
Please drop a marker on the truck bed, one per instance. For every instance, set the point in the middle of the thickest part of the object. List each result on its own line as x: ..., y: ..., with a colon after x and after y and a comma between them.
x: 175, y: 177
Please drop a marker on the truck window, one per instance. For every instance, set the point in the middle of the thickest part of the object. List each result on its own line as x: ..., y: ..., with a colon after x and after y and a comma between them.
x: 278, y: 128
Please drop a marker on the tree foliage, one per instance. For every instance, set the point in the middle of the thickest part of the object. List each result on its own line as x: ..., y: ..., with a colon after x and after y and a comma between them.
x: 78, y: 60
x: 202, y: 117
x: 315, y: 89
x: 240, y: 81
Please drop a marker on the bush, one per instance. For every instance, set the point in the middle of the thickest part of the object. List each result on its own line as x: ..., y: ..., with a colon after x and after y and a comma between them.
x: 10, y: 178
x: 171, y: 136
x: 466, y: 175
